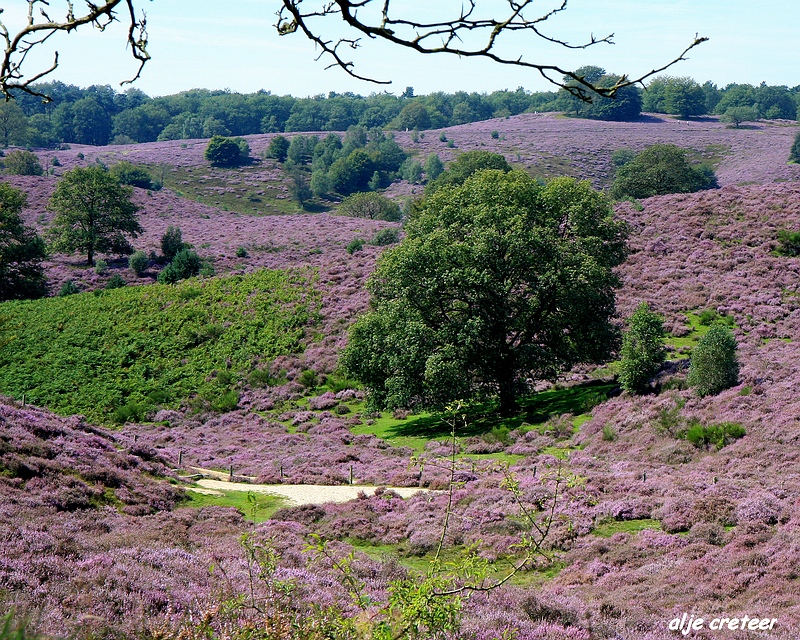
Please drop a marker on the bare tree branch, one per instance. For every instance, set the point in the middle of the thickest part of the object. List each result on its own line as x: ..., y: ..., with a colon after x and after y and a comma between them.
x: 466, y: 33
x: 447, y: 36
x: 39, y: 27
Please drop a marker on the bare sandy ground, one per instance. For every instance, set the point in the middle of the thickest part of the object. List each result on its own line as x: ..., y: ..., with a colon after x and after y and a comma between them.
x: 299, y: 494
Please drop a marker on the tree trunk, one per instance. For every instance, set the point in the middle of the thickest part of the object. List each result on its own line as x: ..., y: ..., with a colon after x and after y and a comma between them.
x: 508, y: 397
x: 90, y: 256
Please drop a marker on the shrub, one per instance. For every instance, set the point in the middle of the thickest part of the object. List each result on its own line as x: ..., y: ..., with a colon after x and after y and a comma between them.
x: 129, y: 173
x: 356, y: 244
x: 185, y: 264
x: 278, y: 148
x: 100, y: 267
x: 789, y: 243
x: 714, y: 365
x: 372, y: 206
x: 130, y: 412
x: 138, y: 262
x: 385, y: 237
x: 171, y: 242
x: 660, y: 169
x: 495, y: 134
x: 68, y: 288
x: 226, y: 152
x: 116, y: 282
x: 794, y: 154
x: 704, y: 436
x: 621, y: 157
x: 308, y: 378
x: 228, y: 401
x: 241, y: 252
x: 643, y: 349
x: 23, y: 163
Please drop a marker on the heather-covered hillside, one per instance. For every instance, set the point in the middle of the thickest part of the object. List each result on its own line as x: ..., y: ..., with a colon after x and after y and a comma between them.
x: 98, y: 541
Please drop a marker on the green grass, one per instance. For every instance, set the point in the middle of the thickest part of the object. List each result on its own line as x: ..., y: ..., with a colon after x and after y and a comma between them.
x: 688, y: 342
x: 265, y: 505
x: 418, y: 430
x: 608, y: 529
x: 231, y: 189
x: 117, y: 355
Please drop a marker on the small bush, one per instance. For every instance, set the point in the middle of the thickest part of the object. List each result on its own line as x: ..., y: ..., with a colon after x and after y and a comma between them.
x: 609, y: 434
x: 171, y: 242
x: 138, y: 262
x: 23, y: 163
x: 228, y: 401
x: 129, y: 173
x: 186, y: 264
x: 789, y: 243
x: 116, y: 282
x: 278, y: 148
x: 226, y: 152
x: 68, y: 288
x: 385, y: 237
x: 357, y: 244
x: 495, y: 134
x: 714, y: 365
x: 241, y: 252
x: 717, y: 435
x: 621, y: 157
x: 100, y: 267
x: 442, y: 137
x: 130, y: 412
x: 309, y: 379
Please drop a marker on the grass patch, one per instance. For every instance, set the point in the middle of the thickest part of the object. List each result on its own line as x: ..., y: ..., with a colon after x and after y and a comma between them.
x: 263, y: 508
x: 608, y: 529
x: 229, y: 189
x: 115, y: 356
x: 416, y: 431
x: 699, y: 322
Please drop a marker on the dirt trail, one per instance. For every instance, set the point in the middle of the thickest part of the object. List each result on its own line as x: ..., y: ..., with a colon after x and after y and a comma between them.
x: 300, y: 494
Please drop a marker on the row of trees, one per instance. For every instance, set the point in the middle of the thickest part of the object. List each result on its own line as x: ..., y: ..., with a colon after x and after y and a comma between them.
x: 100, y: 115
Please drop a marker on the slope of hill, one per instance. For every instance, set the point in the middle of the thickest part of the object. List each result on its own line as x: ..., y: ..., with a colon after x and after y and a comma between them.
x: 652, y: 527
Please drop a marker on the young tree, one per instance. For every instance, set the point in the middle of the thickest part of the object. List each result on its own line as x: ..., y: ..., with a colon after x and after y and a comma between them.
x: 714, y: 366
x: 498, y: 281
x: 226, y: 152
x: 94, y: 213
x: 172, y: 242
x: 369, y: 204
x: 465, y: 165
x: 278, y: 148
x: 643, y: 349
x: 21, y: 250
x: 737, y: 115
x: 13, y: 123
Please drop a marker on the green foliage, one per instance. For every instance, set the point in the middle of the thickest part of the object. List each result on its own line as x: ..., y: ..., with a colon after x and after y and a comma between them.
x: 737, y: 115
x: 130, y: 174
x: 185, y: 264
x: 495, y: 135
x: 241, y: 252
x: 22, y: 163
x: 643, y: 349
x: 433, y: 167
x: 660, y: 169
x: 356, y: 244
x: 94, y: 354
x: 299, y: 189
x: 625, y: 105
x: 716, y: 435
x: 621, y: 157
x: 372, y: 206
x: 714, y: 364
x: 116, y: 282
x: 100, y: 267
x: 789, y: 243
x: 499, y: 256
x: 94, y: 213
x: 278, y: 148
x: 794, y: 154
x: 385, y: 237
x: 308, y: 378
x: 171, y: 242
x: 138, y: 262
x: 464, y: 166
x: 68, y: 288
x: 609, y: 434
x: 22, y: 251
x: 226, y: 152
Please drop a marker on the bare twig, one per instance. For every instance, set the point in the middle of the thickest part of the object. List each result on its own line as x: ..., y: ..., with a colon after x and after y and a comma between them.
x: 447, y: 36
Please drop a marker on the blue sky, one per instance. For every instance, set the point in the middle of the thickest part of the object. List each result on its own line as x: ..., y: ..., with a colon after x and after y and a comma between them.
x: 233, y: 45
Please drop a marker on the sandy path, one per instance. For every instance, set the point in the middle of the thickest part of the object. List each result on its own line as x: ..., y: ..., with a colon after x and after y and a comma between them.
x: 299, y: 494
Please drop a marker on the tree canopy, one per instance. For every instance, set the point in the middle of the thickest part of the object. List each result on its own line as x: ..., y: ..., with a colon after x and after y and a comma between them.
x: 661, y: 169
x: 21, y: 250
x: 498, y: 282
x: 94, y: 213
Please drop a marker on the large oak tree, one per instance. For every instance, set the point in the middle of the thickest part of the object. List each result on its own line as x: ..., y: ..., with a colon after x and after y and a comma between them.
x: 499, y: 282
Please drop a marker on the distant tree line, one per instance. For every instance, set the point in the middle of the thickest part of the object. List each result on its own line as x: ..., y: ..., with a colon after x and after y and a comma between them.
x: 100, y: 115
